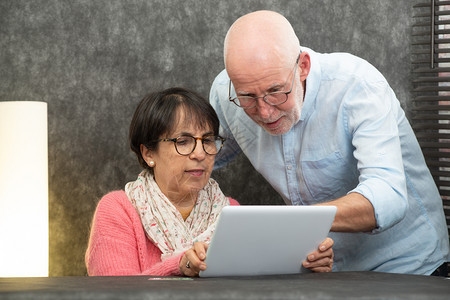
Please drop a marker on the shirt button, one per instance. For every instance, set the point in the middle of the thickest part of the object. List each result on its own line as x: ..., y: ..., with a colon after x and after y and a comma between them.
x: 289, y: 167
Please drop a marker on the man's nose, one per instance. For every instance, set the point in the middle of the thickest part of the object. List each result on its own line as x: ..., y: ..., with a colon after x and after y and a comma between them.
x: 263, y: 109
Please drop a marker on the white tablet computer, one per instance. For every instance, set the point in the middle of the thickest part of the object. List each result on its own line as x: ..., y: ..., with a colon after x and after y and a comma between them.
x: 263, y: 240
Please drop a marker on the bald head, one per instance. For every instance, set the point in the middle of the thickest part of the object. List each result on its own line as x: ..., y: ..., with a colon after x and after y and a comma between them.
x: 260, y: 37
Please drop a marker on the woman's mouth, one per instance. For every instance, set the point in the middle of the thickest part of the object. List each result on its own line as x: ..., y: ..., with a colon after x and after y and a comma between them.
x: 196, y: 172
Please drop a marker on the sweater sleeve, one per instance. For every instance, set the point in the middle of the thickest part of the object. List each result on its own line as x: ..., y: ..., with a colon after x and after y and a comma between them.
x: 118, y: 244
x: 233, y: 202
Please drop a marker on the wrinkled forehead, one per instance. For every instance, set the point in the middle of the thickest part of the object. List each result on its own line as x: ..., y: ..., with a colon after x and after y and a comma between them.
x: 248, y: 69
x: 260, y: 79
x: 260, y: 59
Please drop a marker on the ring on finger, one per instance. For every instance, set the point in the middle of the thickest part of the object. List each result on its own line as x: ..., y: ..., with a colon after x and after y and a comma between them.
x: 188, y: 265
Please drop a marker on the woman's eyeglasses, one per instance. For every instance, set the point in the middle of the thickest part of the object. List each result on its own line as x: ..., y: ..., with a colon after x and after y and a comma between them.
x: 185, y: 144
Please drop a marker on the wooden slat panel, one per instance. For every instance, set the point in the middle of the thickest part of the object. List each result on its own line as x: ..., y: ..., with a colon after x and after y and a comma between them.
x: 433, y: 89
x: 431, y: 126
x: 446, y: 202
x: 431, y: 108
x: 432, y: 98
x: 428, y: 22
x: 432, y: 135
x: 431, y: 117
x: 446, y: 164
x: 426, y: 70
x: 447, y: 212
x: 444, y: 193
x: 437, y: 145
x: 440, y: 174
x: 428, y: 4
x: 426, y: 41
x: 437, y: 154
x: 432, y: 78
x: 445, y: 50
x: 429, y: 70
x: 443, y: 188
x: 430, y: 50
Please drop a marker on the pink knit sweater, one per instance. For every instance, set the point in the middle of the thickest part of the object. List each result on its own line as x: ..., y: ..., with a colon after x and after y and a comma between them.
x: 118, y: 244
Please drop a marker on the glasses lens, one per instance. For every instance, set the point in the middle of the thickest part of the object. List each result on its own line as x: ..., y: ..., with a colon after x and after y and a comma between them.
x: 245, y: 101
x: 212, y: 144
x: 185, y: 145
x: 275, y: 98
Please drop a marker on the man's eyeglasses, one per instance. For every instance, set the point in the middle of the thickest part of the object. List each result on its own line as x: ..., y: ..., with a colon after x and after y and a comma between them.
x: 274, y: 98
x: 185, y: 144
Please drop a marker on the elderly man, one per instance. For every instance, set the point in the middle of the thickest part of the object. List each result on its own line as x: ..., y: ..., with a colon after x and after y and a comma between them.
x: 327, y: 129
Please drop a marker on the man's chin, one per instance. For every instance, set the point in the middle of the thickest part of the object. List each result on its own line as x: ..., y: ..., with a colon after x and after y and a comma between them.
x: 282, y: 129
x: 275, y: 132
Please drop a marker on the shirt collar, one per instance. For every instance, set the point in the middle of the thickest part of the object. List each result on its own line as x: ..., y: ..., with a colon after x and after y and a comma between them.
x: 312, y: 84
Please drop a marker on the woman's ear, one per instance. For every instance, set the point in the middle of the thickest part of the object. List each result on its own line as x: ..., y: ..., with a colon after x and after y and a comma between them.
x: 146, y: 154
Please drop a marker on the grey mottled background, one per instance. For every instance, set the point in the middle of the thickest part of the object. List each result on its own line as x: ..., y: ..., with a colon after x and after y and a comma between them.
x: 92, y: 61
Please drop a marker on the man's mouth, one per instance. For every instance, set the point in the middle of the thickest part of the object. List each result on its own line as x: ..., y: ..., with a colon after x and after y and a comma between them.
x: 273, y: 125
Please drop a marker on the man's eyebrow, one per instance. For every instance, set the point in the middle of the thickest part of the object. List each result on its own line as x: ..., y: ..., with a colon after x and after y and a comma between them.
x: 245, y: 94
x: 276, y: 85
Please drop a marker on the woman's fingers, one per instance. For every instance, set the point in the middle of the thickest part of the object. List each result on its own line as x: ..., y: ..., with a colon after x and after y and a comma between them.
x: 188, y: 265
x: 192, y: 261
x: 187, y: 269
x: 200, y: 249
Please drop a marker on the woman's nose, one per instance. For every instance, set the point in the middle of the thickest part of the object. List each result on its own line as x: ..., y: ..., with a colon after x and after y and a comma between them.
x: 198, y: 152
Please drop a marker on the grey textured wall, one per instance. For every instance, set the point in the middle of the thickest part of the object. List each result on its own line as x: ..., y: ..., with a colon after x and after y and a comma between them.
x: 92, y: 61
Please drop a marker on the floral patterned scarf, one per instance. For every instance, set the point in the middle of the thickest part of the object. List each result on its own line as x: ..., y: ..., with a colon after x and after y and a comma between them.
x: 164, y: 224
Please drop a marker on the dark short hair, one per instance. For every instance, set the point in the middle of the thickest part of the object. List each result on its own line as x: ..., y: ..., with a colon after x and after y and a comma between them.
x: 156, y: 115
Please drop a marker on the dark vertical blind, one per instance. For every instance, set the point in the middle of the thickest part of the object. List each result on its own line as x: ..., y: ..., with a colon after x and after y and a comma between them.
x: 431, y: 90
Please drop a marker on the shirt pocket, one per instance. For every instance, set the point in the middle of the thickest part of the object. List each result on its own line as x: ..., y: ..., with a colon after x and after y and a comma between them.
x: 329, y: 177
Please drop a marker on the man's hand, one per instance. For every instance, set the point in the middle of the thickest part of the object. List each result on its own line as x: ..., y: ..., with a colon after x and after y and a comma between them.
x: 192, y: 261
x: 321, y: 260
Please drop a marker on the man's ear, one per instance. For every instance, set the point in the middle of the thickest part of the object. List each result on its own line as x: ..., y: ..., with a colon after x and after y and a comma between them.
x: 305, y: 65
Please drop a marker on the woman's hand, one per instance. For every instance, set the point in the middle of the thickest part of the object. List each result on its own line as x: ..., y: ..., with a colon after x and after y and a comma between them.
x: 192, y: 261
x: 321, y: 260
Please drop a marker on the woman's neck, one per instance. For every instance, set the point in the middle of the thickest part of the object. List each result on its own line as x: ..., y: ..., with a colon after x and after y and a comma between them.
x: 184, y: 204
x: 185, y: 212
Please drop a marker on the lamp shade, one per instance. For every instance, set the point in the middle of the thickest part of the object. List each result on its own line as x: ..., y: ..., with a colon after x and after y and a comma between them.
x: 23, y: 189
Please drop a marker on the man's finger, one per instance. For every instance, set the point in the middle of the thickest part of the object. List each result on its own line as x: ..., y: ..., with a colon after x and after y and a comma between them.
x: 326, y: 244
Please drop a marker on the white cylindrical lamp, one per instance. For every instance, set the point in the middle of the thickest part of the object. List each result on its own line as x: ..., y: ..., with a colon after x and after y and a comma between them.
x: 23, y: 189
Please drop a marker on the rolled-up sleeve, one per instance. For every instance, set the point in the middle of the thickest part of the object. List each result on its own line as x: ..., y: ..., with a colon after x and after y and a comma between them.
x: 372, y: 123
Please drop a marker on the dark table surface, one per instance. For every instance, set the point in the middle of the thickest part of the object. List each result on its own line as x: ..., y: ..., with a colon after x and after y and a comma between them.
x: 344, y: 285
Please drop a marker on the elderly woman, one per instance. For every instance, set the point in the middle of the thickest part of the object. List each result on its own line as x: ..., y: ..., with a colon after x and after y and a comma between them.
x: 162, y: 223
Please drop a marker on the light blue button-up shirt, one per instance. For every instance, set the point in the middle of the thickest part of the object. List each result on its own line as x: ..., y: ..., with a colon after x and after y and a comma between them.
x: 352, y: 136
